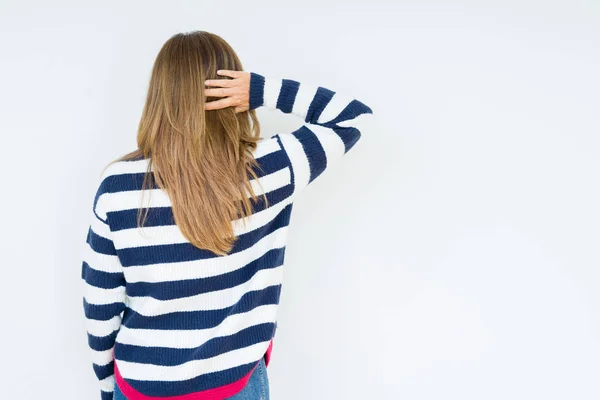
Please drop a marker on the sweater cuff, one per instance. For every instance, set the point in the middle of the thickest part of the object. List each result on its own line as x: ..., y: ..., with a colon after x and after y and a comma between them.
x: 257, y: 90
x: 106, y: 395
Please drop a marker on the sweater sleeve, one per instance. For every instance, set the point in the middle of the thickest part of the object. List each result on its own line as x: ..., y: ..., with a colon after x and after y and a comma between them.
x: 103, y: 297
x: 331, y: 126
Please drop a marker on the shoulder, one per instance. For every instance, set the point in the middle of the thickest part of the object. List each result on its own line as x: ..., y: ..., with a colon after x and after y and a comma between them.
x: 117, y: 170
x: 116, y: 177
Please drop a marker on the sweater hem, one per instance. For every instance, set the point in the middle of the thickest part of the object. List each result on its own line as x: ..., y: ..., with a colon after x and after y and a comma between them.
x: 218, y: 393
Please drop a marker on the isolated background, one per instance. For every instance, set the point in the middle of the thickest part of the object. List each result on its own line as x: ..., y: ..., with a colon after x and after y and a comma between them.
x: 454, y: 254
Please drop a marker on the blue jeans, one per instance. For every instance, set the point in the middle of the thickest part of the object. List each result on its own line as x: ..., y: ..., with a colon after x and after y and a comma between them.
x: 257, y: 387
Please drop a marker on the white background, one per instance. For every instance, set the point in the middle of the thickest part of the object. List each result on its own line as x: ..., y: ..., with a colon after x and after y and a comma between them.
x: 453, y: 254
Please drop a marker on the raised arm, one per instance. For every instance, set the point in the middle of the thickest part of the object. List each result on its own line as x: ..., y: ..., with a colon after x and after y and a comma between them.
x: 331, y: 126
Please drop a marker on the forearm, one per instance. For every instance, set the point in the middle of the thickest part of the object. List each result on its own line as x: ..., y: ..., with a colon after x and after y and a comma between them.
x: 331, y: 126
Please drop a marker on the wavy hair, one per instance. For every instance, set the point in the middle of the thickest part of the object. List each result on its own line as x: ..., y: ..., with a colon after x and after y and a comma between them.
x: 202, y: 159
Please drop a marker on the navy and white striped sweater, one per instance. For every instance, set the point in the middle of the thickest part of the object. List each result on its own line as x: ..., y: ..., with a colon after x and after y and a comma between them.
x: 167, y: 320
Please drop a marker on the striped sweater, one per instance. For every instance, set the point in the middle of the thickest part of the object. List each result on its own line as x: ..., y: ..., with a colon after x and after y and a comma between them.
x: 167, y: 320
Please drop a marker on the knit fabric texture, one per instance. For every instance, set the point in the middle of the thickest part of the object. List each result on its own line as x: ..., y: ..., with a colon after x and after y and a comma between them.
x: 167, y: 320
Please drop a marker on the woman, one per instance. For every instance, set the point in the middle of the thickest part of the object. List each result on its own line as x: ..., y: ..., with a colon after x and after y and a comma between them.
x: 183, y: 261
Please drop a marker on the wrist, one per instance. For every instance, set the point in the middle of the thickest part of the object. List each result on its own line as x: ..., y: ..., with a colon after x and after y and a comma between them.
x: 256, y: 95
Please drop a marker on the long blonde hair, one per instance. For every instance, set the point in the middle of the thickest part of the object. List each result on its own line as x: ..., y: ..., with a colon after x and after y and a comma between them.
x: 202, y: 159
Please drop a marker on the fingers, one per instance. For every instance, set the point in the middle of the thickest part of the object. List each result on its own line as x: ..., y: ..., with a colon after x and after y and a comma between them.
x: 218, y: 92
x: 224, y: 82
x: 231, y: 73
x: 220, y: 82
x: 217, y: 104
x: 232, y: 90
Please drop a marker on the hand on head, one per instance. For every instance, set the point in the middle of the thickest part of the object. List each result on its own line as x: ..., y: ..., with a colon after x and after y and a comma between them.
x: 234, y: 92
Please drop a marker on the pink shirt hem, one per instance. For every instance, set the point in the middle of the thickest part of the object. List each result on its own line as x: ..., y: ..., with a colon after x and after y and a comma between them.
x: 218, y: 393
